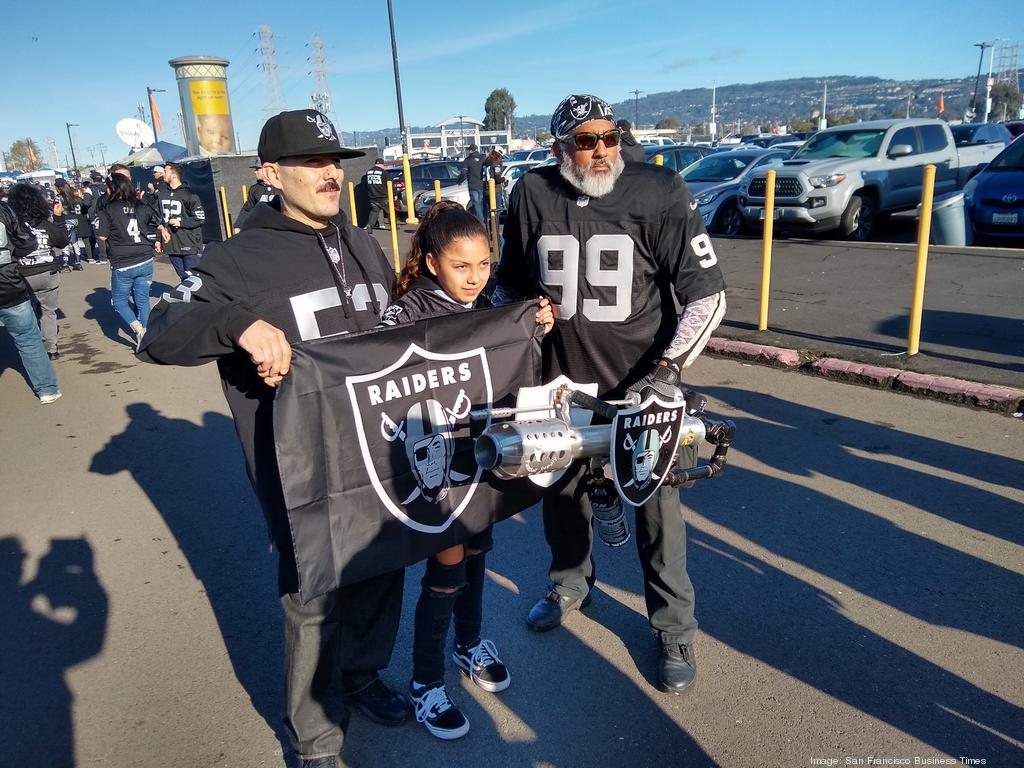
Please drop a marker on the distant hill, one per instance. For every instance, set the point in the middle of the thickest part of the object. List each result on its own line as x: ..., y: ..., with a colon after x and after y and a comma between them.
x: 745, y: 106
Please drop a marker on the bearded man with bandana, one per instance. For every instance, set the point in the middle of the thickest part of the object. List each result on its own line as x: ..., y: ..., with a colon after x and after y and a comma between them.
x: 617, y: 248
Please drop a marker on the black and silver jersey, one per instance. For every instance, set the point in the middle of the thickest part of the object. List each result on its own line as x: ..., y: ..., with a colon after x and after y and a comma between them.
x: 130, y: 232
x: 614, y: 267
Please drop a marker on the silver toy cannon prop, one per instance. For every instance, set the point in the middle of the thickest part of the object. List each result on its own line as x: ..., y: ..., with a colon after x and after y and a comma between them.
x: 515, y: 449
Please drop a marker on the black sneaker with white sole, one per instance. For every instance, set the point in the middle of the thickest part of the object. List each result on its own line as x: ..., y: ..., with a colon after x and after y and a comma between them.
x: 436, y: 711
x: 480, y: 661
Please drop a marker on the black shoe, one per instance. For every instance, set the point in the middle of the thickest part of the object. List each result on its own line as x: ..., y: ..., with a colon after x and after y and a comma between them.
x: 319, y: 762
x: 437, y: 712
x: 77, y: 268
x: 380, y: 703
x: 678, y: 668
x: 552, y: 610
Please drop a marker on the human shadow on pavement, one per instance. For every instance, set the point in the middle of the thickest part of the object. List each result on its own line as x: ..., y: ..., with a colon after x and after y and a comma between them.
x: 911, y: 572
x: 968, y: 331
x: 53, y: 622
x: 802, y: 632
x: 102, y: 311
x: 194, y: 475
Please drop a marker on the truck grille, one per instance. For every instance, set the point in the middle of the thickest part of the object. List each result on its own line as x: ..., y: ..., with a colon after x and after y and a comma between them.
x: 785, y: 186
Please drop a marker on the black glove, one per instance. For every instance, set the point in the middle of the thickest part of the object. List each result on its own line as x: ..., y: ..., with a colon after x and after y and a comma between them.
x: 663, y: 381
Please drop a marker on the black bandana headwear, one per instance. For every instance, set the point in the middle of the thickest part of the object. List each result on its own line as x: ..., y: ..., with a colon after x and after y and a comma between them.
x: 577, y: 109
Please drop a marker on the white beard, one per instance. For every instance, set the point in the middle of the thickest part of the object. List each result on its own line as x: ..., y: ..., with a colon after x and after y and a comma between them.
x: 586, y: 181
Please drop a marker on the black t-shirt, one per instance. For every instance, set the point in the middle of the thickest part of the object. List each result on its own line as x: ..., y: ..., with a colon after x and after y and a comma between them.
x: 130, y: 232
x: 376, y: 184
x: 613, y: 267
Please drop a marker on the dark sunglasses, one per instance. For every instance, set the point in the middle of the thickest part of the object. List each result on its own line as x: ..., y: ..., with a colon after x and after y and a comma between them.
x: 587, y: 141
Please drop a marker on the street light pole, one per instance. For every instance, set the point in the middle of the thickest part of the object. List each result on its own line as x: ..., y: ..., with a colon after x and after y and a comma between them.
x: 636, y: 108
x: 988, y: 83
x: 74, y: 160
x: 152, y: 114
x: 398, y: 80
x: 977, y: 79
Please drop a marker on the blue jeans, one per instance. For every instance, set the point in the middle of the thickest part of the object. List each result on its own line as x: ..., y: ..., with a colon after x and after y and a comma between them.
x: 476, y: 203
x: 134, y: 282
x: 183, y: 264
x: 20, y: 321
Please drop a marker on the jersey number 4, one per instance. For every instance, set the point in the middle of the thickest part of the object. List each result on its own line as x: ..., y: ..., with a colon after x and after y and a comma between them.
x: 620, y: 277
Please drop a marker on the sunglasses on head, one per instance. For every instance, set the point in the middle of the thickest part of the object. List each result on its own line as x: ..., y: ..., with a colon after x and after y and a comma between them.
x: 586, y: 140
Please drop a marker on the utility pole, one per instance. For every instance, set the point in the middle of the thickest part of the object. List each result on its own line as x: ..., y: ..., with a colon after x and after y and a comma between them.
x: 636, y: 108
x: 981, y: 56
x: 988, y: 83
x: 74, y: 160
x: 152, y: 109
x: 101, y: 147
x: 398, y: 80
x: 910, y: 95
x: 823, y: 121
x: 714, y: 111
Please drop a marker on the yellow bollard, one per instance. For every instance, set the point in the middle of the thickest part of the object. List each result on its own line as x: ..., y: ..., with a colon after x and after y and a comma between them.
x: 923, y: 230
x: 352, y: 202
x: 227, y: 213
x: 394, y: 226
x: 437, y: 190
x: 766, y: 253
x: 407, y: 175
x: 659, y: 159
x: 491, y: 198
x: 245, y: 194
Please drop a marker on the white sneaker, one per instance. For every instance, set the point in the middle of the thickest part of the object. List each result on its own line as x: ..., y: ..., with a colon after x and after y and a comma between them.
x: 483, y: 666
x: 437, y: 712
x: 47, y: 399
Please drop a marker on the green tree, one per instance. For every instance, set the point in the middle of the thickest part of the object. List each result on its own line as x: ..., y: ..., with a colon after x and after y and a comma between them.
x: 668, y: 123
x: 20, y: 155
x: 542, y: 137
x: 1005, y: 100
x: 498, y: 110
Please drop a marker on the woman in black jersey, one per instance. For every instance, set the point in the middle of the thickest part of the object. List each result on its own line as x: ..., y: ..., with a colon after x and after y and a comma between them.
x: 448, y: 266
x: 129, y: 229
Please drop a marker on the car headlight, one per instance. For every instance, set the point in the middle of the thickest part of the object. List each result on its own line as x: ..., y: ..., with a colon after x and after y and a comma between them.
x: 828, y: 180
x: 969, y: 189
x: 708, y: 198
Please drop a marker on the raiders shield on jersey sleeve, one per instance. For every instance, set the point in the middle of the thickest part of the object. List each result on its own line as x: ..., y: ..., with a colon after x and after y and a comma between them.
x: 611, y: 267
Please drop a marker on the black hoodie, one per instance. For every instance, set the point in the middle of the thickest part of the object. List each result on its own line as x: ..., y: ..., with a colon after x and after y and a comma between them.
x: 277, y: 270
x: 426, y: 298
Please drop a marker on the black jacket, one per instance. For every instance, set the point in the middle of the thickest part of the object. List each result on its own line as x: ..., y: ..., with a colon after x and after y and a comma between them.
x: 277, y: 270
x: 426, y: 298
x: 182, y: 203
x: 14, y: 241
x: 473, y: 171
x: 631, y: 151
x: 258, y: 193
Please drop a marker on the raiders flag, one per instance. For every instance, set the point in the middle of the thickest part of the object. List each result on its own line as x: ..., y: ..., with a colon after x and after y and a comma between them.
x: 373, y: 440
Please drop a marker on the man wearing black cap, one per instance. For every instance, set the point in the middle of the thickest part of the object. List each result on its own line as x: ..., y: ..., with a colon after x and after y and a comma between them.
x: 298, y: 270
x: 260, y: 192
x: 629, y: 147
x: 473, y: 175
x: 612, y: 244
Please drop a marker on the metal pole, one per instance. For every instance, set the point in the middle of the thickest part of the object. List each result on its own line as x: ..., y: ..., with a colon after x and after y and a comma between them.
x: 152, y: 116
x: 398, y: 80
x: 766, y: 250
x: 923, y: 230
x: 636, y: 108
x: 74, y: 159
x: 988, y: 82
x: 977, y: 79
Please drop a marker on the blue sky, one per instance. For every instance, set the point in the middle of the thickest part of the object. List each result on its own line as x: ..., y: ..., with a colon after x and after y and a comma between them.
x: 453, y: 53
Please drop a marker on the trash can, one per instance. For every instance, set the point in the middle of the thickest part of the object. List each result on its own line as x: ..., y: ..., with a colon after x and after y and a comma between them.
x: 950, y: 225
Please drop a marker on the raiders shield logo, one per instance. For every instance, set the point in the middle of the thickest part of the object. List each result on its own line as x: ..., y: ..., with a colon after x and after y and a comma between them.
x: 412, y: 420
x: 323, y: 127
x: 643, y: 447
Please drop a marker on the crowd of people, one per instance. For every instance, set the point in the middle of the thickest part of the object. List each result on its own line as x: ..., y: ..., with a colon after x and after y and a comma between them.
x: 107, y: 221
x: 627, y: 288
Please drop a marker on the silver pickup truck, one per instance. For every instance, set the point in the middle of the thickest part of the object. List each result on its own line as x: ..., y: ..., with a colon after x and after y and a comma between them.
x: 851, y: 176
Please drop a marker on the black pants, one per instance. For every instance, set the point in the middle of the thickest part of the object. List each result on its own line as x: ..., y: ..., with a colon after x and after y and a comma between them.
x: 660, y: 541
x: 378, y: 213
x: 335, y: 643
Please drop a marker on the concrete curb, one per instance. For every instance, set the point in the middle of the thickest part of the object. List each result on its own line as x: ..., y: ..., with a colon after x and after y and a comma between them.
x: 959, y: 391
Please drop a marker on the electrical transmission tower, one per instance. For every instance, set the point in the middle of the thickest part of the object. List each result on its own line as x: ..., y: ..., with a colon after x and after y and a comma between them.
x: 273, y: 101
x: 1008, y: 70
x: 321, y: 98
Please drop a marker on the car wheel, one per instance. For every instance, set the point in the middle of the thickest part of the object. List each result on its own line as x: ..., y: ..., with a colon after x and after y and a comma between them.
x: 859, y: 219
x: 728, y: 221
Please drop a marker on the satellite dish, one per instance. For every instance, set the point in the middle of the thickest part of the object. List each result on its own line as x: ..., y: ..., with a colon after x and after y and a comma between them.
x: 135, y: 133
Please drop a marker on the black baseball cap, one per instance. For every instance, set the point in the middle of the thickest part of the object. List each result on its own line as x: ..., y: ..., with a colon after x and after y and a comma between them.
x: 299, y: 133
x: 95, y: 175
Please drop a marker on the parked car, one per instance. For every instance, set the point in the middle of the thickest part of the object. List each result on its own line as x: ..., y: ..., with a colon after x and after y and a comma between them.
x: 715, y: 180
x: 537, y: 154
x: 655, y: 141
x: 422, y: 176
x: 972, y: 134
x: 848, y: 177
x: 1016, y: 128
x: 514, y: 170
x: 995, y: 197
x: 677, y: 156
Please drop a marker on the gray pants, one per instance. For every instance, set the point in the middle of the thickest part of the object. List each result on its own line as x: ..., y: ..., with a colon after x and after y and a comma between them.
x: 46, y: 298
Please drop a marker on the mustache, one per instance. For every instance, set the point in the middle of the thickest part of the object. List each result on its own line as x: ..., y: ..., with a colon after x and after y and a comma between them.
x: 329, y: 186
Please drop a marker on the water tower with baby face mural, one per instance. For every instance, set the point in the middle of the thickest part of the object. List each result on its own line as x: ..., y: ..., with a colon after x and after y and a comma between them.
x: 203, y: 90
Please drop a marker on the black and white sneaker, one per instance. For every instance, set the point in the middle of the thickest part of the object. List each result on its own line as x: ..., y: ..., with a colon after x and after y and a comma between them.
x: 437, y: 712
x: 481, y: 663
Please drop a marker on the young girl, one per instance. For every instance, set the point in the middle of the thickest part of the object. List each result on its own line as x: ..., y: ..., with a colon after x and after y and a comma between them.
x: 446, y: 271
x: 129, y: 230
